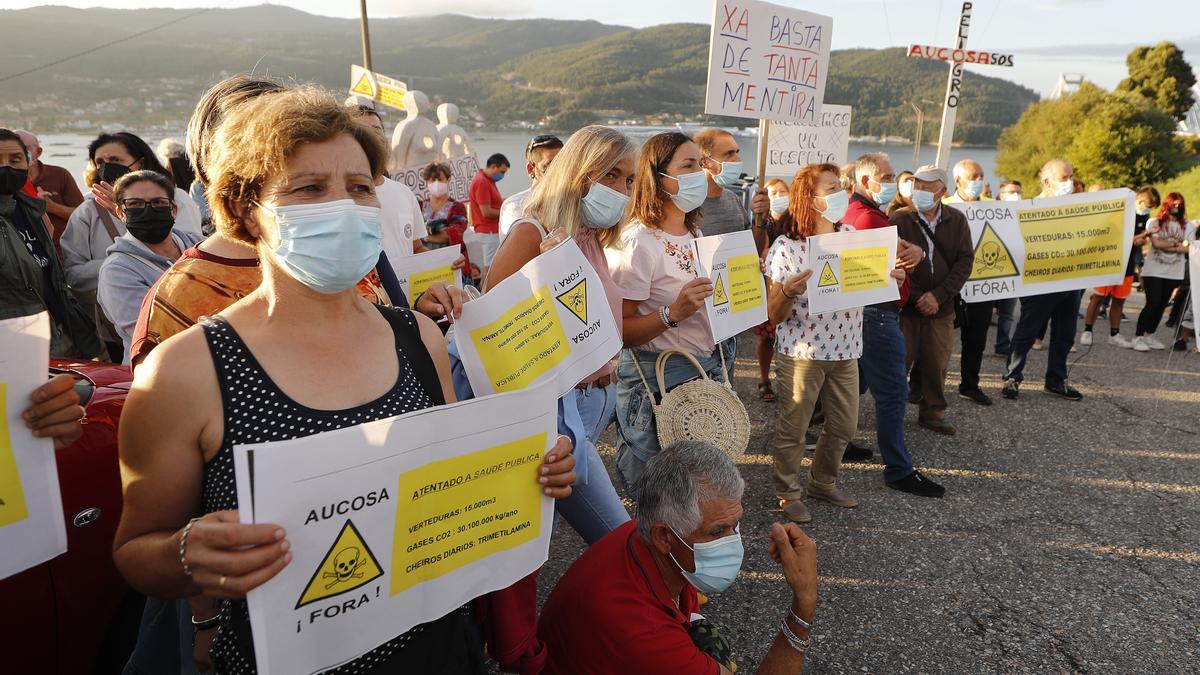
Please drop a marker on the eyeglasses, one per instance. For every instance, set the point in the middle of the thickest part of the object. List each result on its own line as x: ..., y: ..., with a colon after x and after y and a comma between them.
x: 157, y: 202
x: 543, y: 140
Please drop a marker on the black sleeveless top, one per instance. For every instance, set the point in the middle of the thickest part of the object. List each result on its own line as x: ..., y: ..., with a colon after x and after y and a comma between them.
x: 255, y: 410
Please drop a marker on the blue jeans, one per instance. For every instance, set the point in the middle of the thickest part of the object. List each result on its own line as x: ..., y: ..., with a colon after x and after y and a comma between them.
x: 1005, y: 309
x: 635, y: 414
x: 1061, y: 310
x: 593, y: 509
x: 164, y: 642
x: 881, y: 371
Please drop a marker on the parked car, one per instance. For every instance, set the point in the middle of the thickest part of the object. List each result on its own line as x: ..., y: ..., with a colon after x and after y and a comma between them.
x: 75, y: 614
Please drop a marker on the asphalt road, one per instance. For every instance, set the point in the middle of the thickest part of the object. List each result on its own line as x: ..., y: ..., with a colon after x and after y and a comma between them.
x: 1068, y: 541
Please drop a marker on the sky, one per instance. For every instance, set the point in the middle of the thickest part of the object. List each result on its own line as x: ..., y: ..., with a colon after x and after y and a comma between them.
x: 1047, y: 37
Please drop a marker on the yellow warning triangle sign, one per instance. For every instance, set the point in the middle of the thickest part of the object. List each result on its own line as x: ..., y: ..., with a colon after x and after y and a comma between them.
x: 992, y: 257
x: 828, y: 278
x: 347, y: 565
x: 364, y: 86
x: 720, y: 297
x: 575, y: 300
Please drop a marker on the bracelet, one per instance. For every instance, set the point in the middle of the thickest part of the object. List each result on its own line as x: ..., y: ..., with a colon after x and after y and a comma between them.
x: 800, y: 645
x: 417, y: 300
x: 183, y: 540
x: 206, y: 624
x: 665, y: 315
x: 795, y: 617
x: 783, y: 289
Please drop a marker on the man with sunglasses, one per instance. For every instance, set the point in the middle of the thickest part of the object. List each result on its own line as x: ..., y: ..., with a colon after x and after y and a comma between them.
x: 540, y: 151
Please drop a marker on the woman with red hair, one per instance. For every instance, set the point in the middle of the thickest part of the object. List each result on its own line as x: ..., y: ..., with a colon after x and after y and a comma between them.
x: 817, y: 353
x: 1162, y: 272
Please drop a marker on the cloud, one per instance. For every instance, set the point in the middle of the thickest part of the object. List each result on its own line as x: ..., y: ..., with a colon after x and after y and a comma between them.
x: 1103, y: 50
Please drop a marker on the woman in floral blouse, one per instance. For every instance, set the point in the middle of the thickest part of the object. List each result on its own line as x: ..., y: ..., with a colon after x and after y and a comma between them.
x: 817, y: 353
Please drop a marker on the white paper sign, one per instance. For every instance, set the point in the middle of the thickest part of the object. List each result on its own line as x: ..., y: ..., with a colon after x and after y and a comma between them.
x: 767, y: 62
x: 395, y: 523
x: 462, y: 170
x: 791, y: 145
x: 851, y: 269
x: 31, y: 516
x: 739, y: 299
x: 550, y: 320
x: 1194, y: 271
x: 1037, y: 246
x: 418, y: 271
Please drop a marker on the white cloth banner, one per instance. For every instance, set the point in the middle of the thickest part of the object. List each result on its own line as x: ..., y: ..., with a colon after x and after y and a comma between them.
x: 462, y: 169
x: 851, y: 269
x: 792, y: 145
x: 550, y: 320
x: 767, y: 62
x: 395, y: 523
x: 418, y: 271
x: 739, y: 299
x: 31, y: 515
x: 1046, y: 245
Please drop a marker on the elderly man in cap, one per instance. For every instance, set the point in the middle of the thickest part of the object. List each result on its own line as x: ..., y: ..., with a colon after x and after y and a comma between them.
x: 928, y: 320
x: 629, y: 603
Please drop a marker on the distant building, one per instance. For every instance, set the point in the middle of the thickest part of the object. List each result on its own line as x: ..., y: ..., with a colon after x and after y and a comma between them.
x: 1068, y: 83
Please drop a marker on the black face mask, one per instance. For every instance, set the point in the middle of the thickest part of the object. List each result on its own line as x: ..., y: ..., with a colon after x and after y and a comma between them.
x: 148, y: 224
x: 109, y: 172
x: 12, y: 180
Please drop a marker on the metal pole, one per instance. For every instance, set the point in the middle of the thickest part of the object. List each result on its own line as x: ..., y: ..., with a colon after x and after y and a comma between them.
x: 953, y: 90
x: 366, y: 37
x: 764, y: 131
x: 920, y: 129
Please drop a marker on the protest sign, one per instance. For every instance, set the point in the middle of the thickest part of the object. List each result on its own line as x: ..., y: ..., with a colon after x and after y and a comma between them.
x: 395, y: 523
x: 1037, y: 246
x: 739, y: 299
x: 1194, y: 274
x: 767, y: 62
x: 418, y: 271
x: 31, y: 516
x: 462, y: 170
x: 851, y: 269
x: 550, y: 320
x: 792, y: 145
x: 381, y: 88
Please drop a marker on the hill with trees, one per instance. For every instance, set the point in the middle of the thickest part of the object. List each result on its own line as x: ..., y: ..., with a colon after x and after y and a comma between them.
x: 559, y: 73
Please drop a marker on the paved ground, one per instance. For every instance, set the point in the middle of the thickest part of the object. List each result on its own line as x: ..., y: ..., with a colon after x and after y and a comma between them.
x: 1069, y: 540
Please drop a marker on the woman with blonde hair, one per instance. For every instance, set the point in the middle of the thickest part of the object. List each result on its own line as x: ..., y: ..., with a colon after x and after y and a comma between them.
x: 583, y: 196
x: 663, y: 296
x: 817, y: 353
x: 292, y: 175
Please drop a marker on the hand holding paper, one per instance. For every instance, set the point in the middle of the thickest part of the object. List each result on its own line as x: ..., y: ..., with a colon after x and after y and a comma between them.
x: 691, y: 298
x: 55, y: 412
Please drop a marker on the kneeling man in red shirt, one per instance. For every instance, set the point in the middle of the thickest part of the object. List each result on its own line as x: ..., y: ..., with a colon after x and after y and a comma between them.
x: 629, y: 604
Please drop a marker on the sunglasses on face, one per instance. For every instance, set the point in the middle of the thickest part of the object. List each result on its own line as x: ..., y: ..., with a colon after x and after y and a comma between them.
x: 542, y: 140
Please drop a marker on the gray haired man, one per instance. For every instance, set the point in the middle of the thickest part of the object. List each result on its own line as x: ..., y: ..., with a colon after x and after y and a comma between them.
x: 637, y: 587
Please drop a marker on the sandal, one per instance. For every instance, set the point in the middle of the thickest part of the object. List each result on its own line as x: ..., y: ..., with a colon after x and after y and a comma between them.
x: 765, y: 392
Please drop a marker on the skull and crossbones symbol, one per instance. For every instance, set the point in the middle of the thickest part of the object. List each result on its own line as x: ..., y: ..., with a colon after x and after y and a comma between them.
x: 990, y: 253
x: 346, y: 564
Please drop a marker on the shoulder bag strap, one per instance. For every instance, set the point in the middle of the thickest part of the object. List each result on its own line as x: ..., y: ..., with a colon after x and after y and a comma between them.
x: 109, y: 225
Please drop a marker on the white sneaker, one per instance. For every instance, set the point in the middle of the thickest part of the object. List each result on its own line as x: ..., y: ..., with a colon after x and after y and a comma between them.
x: 1139, y: 344
x: 1086, y: 338
x: 1154, y: 343
x: 1037, y: 344
x: 1119, y: 340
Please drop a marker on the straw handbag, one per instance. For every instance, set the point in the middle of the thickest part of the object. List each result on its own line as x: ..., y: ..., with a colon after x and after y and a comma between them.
x: 698, y: 410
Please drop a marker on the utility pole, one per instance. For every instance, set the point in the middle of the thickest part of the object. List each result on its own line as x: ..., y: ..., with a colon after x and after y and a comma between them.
x: 366, y: 36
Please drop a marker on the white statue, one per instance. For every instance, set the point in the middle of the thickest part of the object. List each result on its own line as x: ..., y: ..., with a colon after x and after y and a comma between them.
x: 454, y: 141
x: 415, y: 140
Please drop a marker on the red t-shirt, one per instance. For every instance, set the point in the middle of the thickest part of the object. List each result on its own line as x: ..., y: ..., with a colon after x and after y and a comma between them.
x: 864, y: 216
x: 611, y: 613
x: 484, y: 191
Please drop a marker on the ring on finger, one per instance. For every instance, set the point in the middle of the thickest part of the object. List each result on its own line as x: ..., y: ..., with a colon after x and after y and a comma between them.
x: 222, y: 580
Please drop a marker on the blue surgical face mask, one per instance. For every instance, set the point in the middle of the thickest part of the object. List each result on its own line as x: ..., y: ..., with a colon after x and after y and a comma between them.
x: 693, y: 188
x: 328, y: 247
x: 496, y: 178
x: 779, y: 205
x: 717, y: 562
x: 835, y: 206
x: 923, y: 200
x: 887, y: 192
x: 1143, y: 210
x: 973, y: 189
x: 731, y: 173
x: 602, y: 206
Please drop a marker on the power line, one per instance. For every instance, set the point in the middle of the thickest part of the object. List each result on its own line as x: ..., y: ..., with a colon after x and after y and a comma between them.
x: 887, y: 22
x: 106, y: 44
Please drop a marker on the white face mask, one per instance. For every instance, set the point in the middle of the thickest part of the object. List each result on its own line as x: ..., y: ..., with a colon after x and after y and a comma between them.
x: 906, y: 188
x: 1063, y: 188
x: 779, y: 205
x: 438, y: 188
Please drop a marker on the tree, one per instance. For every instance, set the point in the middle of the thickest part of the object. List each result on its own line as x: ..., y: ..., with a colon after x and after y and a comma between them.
x: 1162, y: 75
x: 1116, y: 139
